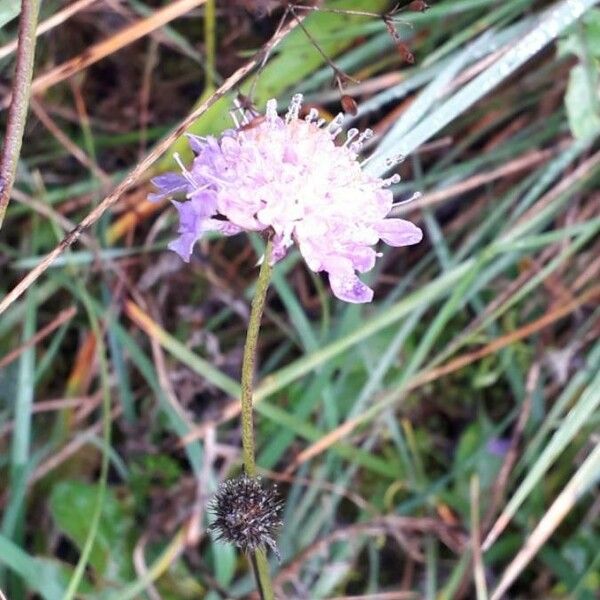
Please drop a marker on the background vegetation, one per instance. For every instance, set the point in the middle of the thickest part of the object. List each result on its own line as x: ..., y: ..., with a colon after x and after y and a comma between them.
x: 460, y: 409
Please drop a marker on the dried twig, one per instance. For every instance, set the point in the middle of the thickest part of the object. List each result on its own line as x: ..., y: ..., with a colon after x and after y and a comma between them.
x: 340, y: 77
x: 495, y: 495
x: 478, y: 568
x: 44, y: 406
x: 19, y: 103
x: 62, y: 317
x: 71, y: 448
x: 141, y: 569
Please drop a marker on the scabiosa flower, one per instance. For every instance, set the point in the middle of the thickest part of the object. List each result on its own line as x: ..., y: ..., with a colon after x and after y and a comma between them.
x: 247, y: 514
x: 287, y: 176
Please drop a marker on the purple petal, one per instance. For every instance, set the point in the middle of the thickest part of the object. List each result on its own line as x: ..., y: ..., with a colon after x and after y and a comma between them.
x: 498, y: 446
x: 184, y: 245
x: 196, y: 142
x: 279, y: 249
x: 398, y: 232
x: 230, y: 147
x: 382, y: 203
x: 167, y: 185
x: 224, y: 227
x: 344, y: 282
x: 204, y: 202
x: 311, y: 254
x: 289, y: 176
x: 362, y: 257
x: 349, y: 288
x: 191, y: 227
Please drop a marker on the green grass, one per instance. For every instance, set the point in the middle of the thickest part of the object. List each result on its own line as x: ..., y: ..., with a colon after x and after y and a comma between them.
x: 402, y: 408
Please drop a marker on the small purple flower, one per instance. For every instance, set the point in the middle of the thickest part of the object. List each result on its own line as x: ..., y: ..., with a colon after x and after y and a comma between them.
x: 498, y: 446
x: 288, y: 176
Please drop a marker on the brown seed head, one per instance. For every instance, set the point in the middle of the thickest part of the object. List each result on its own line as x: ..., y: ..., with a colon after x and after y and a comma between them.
x: 349, y: 105
x: 247, y: 515
x: 418, y: 6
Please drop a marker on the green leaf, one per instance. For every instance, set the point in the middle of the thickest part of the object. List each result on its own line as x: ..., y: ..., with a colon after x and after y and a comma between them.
x: 585, y: 40
x: 71, y: 505
x: 47, y: 577
x: 582, y: 101
x: 592, y: 32
x: 225, y: 563
x: 9, y: 9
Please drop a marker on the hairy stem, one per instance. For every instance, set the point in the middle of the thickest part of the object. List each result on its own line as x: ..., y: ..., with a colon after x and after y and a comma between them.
x: 249, y: 360
x: 259, y: 559
x: 17, y: 113
x: 260, y: 566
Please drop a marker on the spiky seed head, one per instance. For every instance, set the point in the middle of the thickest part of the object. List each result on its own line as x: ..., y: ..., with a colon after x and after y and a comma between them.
x: 247, y: 514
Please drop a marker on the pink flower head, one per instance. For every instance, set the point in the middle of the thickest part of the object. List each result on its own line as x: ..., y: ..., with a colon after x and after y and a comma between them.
x: 289, y: 176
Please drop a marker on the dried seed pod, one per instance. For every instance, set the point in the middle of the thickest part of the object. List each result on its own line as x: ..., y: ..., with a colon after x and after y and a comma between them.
x: 418, y: 6
x: 349, y: 105
x: 247, y: 515
x: 403, y: 49
x: 405, y: 52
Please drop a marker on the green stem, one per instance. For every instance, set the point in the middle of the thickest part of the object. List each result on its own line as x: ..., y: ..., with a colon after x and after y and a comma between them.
x: 249, y: 360
x: 260, y: 566
x: 210, y: 44
x: 259, y: 559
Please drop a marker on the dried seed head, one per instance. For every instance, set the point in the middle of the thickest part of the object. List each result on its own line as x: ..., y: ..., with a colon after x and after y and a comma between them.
x: 418, y: 6
x: 349, y: 105
x: 247, y: 515
x: 405, y: 53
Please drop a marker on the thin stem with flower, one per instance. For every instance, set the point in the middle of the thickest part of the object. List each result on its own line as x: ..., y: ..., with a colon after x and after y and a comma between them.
x: 249, y: 361
x: 259, y: 561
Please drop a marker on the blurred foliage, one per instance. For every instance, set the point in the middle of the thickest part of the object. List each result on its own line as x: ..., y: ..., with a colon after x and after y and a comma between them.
x: 582, y: 99
x: 482, y: 338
